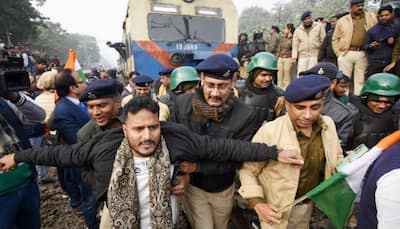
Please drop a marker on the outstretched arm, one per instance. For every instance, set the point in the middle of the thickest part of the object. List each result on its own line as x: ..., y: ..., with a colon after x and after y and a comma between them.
x: 194, y: 147
x: 84, y: 154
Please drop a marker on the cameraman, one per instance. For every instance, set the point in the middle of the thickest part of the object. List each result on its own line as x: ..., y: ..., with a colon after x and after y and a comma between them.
x: 19, y: 193
x: 244, y: 53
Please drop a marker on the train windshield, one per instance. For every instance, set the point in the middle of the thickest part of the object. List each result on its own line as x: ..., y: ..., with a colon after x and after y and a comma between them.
x: 171, y: 28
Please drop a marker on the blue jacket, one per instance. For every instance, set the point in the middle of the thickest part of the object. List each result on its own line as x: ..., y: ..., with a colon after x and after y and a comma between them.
x: 383, y: 53
x: 68, y: 119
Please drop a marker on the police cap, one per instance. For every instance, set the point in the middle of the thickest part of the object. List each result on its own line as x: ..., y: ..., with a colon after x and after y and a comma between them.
x: 219, y: 66
x: 305, y: 15
x: 166, y: 72
x: 142, y: 81
x: 353, y: 2
x: 310, y: 87
x: 324, y: 69
x: 101, y: 88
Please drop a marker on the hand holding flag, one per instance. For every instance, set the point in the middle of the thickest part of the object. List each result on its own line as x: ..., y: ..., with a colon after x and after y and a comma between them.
x: 335, y: 196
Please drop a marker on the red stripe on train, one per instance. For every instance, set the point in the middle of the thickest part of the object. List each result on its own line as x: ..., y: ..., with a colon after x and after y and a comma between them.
x: 223, y: 48
x: 162, y: 55
x: 158, y: 53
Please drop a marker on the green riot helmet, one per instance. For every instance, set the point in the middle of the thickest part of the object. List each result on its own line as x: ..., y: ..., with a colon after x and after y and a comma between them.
x: 384, y: 84
x: 263, y: 60
x: 181, y: 75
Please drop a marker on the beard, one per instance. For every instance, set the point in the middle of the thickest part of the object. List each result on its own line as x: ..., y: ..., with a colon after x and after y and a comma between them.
x: 134, y: 150
x: 308, y: 26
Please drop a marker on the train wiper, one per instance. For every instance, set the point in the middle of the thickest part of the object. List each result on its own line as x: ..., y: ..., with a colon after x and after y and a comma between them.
x: 196, y: 38
x: 186, y: 34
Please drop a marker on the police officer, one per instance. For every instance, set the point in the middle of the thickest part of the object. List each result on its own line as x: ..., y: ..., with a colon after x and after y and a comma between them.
x: 165, y: 81
x: 268, y: 186
x: 259, y: 91
x: 377, y: 117
x: 213, y: 110
x: 341, y: 114
x: 258, y: 44
x: 103, y: 100
x: 183, y: 80
x: 143, y: 87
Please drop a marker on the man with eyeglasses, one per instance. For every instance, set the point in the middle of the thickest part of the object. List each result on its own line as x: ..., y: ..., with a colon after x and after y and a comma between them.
x: 69, y: 116
x: 213, y: 110
x: 378, y: 114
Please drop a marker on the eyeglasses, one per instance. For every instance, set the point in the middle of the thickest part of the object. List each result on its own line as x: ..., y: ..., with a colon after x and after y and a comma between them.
x: 219, y: 87
x: 80, y: 82
x: 380, y: 101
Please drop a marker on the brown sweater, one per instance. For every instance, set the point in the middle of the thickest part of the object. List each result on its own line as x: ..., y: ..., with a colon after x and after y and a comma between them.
x: 285, y: 48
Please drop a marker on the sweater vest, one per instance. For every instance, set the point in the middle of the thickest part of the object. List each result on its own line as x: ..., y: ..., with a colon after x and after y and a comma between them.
x: 386, y: 162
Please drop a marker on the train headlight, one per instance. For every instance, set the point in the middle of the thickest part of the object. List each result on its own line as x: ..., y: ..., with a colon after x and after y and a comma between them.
x: 165, y: 8
x: 176, y: 59
x: 208, y: 11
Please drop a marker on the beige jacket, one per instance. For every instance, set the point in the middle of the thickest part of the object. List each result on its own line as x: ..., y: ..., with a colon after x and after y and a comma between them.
x: 276, y: 182
x: 162, y: 91
x: 46, y: 101
x: 343, y: 33
x: 307, y: 44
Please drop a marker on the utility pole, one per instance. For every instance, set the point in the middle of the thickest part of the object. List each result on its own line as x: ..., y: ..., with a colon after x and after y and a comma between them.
x: 8, y: 37
x: 279, y: 13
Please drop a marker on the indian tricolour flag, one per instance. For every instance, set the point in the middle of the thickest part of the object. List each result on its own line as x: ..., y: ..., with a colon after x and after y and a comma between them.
x: 335, y: 196
x: 73, y: 64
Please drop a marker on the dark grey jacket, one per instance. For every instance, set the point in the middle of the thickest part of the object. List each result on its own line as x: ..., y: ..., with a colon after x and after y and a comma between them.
x: 183, y: 145
x: 342, y: 115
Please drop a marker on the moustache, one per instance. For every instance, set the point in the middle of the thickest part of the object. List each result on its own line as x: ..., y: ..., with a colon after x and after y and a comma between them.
x: 216, y: 97
x: 147, y: 142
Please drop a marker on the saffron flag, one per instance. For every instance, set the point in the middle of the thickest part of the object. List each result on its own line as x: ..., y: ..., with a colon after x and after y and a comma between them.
x: 335, y: 196
x: 73, y: 64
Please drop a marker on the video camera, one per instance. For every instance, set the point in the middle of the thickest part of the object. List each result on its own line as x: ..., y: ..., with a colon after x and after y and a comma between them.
x: 12, y: 75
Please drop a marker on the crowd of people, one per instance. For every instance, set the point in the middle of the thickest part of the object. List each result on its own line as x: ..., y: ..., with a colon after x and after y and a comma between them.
x: 178, y: 152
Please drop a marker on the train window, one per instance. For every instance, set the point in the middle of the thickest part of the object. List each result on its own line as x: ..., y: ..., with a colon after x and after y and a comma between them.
x: 167, y: 27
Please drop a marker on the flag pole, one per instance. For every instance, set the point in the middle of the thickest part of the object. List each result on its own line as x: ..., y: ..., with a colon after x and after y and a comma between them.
x: 297, y: 201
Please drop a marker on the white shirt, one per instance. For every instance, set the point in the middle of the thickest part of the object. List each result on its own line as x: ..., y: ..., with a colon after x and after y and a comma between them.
x: 142, y: 183
x: 129, y: 88
x: 387, y: 200
x: 73, y: 100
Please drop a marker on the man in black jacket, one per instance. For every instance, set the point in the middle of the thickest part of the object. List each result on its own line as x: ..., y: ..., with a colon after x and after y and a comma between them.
x: 378, y: 115
x: 260, y: 91
x: 119, y: 157
x: 213, y: 110
x: 326, y: 52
